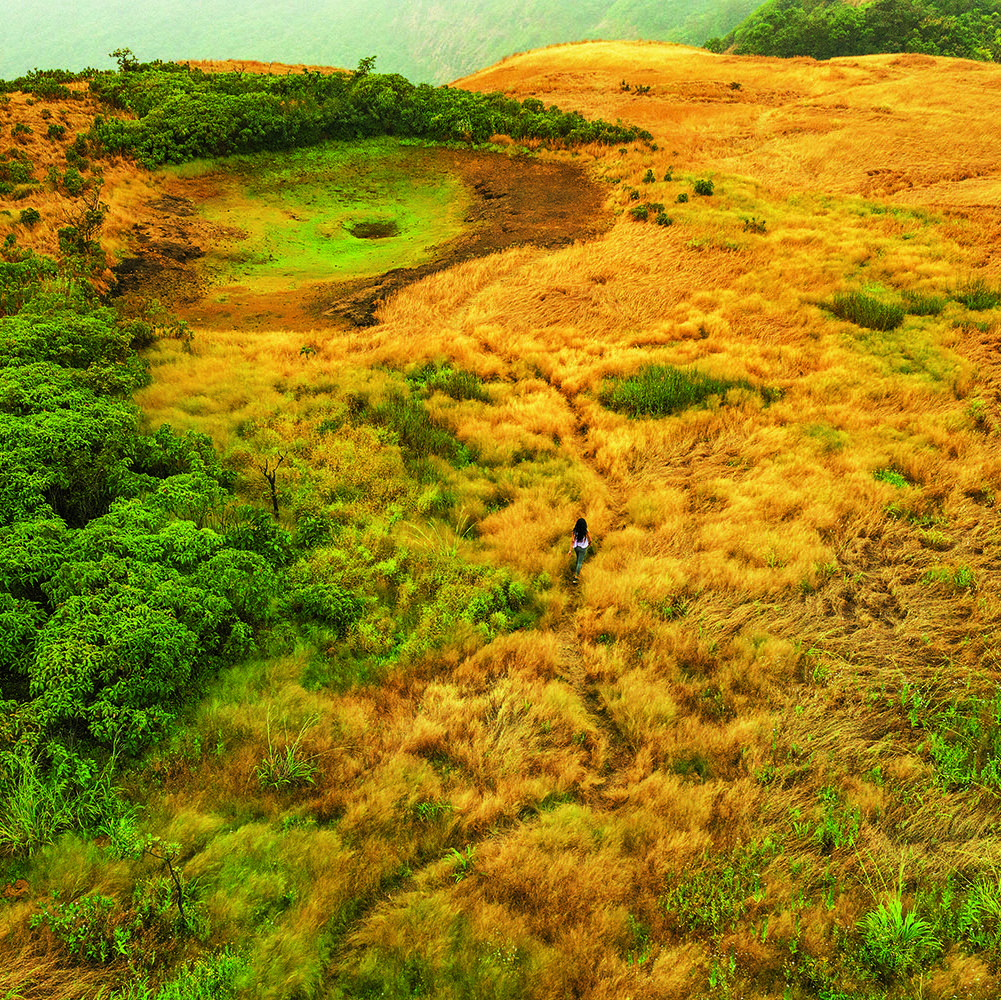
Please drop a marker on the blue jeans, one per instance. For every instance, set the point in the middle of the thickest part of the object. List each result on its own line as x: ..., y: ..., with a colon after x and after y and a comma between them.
x: 581, y: 556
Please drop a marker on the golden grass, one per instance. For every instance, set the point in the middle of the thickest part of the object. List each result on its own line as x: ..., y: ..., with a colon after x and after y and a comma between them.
x: 125, y: 188
x: 740, y: 642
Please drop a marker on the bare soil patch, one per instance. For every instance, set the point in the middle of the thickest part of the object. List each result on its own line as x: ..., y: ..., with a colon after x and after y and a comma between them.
x: 515, y: 200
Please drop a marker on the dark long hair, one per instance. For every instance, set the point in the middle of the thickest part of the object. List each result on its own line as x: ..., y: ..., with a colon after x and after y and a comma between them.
x: 580, y: 530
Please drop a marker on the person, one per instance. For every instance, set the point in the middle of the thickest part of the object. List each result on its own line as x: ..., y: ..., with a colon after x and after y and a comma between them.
x: 580, y: 541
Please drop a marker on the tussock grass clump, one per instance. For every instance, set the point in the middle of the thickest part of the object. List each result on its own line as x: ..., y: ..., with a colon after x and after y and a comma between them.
x: 420, y: 435
x: 660, y: 390
x: 455, y: 383
x: 977, y: 294
x: 919, y: 304
x: 866, y: 310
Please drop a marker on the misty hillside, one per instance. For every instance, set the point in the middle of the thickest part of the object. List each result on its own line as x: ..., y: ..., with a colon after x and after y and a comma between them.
x: 422, y: 40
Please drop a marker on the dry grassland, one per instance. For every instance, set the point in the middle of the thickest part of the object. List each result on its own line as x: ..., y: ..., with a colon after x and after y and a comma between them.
x: 561, y: 812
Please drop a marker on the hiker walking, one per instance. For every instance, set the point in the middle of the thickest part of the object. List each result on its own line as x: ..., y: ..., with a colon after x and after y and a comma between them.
x: 580, y: 543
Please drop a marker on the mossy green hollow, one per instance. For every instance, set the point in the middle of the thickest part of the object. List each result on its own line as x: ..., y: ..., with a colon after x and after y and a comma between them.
x: 334, y: 212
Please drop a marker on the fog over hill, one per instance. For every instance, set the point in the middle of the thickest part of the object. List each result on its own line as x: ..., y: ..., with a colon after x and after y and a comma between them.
x: 432, y: 40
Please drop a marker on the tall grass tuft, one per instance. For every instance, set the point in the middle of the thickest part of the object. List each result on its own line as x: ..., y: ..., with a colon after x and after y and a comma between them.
x: 453, y: 382
x: 866, y: 310
x: 976, y: 294
x: 919, y: 304
x: 420, y: 435
x: 659, y: 390
x: 894, y: 942
x: 41, y: 798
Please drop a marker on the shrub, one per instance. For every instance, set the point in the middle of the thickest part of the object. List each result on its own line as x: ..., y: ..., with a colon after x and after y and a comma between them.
x: 640, y: 212
x: 867, y: 311
x: 30, y: 217
x: 703, y: 186
x: 663, y: 219
x: 15, y: 169
x: 656, y: 391
x: 682, y: 198
x: 56, y: 131
x: 209, y: 978
x: 73, y: 181
x: 649, y: 177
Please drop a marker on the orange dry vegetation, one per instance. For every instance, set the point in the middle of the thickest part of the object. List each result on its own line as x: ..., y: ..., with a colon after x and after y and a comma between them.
x: 254, y: 66
x: 908, y: 129
x: 733, y: 669
x: 125, y: 188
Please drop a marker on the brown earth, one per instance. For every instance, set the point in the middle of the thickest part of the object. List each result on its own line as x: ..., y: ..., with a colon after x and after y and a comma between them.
x: 515, y: 199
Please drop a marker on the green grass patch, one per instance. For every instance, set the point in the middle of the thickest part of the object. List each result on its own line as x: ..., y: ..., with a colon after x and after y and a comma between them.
x: 453, y: 382
x: 714, y: 896
x: 919, y: 304
x: 977, y: 294
x: 331, y: 212
x: 866, y: 310
x: 660, y: 390
x: 419, y: 434
x: 890, y: 476
x: 909, y: 351
x: 963, y: 736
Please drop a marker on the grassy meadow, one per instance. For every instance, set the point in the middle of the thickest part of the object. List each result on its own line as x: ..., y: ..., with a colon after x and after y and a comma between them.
x: 756, y: 753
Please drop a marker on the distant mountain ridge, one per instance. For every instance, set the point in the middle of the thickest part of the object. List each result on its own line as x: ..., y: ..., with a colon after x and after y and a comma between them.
x: 425, y: 40
x: 966, y: 29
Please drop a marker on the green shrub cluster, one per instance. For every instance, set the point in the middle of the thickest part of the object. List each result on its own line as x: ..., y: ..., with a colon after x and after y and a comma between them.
x: 121, y: 580
x: 21, y: 279
x: 48, y: 84
x: 181, y: 113
x: 967, y: 29
x: 659, y: 390
x: 15, y: 169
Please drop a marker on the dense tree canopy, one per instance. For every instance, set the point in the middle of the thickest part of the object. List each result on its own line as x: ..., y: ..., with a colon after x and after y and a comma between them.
x: 114, y: 595
x: 182, y: 113
x: 968, y: 29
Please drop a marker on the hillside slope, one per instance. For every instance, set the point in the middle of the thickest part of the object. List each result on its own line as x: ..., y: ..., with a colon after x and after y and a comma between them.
x: 756, y: 751
x: 900, y: 127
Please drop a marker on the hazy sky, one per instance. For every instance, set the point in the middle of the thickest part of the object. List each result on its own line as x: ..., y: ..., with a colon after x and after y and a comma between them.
x: 75, y: 34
